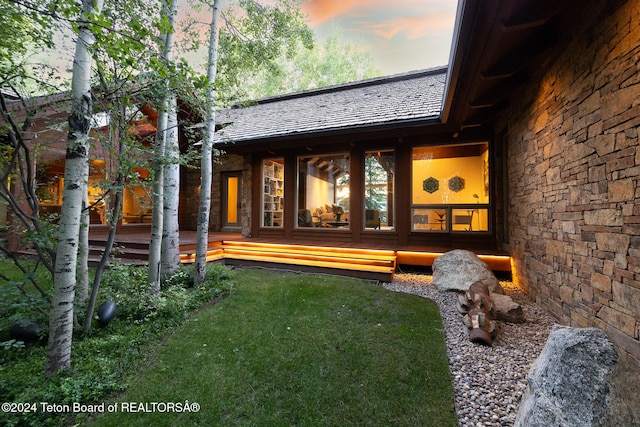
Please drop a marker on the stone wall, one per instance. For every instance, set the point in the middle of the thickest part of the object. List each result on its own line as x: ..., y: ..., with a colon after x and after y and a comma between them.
x: 190, y: 196
x: 574, y: 176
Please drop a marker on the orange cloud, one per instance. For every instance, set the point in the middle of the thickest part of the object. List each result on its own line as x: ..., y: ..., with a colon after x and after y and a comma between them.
x: 414, y: 26
x: 321, y: 11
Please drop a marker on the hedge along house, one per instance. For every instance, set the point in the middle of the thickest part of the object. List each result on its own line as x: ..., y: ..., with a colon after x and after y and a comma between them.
x: 528, y: 143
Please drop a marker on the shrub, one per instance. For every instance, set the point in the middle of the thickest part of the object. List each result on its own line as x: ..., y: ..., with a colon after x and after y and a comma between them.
x: 105, y: 359
x: 129, y: 287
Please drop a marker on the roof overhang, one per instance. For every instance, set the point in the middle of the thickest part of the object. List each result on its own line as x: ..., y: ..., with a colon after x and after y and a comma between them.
x: 496, y: 46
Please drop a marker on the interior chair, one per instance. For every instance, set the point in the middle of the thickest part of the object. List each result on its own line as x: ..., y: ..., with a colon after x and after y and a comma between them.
x: 304, y: 218
x: 372, y: 218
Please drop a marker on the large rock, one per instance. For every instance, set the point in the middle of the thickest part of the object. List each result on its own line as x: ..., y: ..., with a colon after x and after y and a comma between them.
x: 506, y: 309
x: 458, y: 269
x: 570, y: 384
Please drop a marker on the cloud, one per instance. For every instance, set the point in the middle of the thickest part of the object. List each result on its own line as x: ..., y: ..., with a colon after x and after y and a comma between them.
x: 321, y: 11
x: 413, y: 26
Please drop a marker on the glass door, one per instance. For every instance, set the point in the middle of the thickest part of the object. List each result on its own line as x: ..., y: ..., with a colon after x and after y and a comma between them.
x: 231, y: 200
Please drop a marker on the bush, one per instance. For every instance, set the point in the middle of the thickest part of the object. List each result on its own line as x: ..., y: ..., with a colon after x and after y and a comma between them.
x: 129, y: 287
x: 106, y: 359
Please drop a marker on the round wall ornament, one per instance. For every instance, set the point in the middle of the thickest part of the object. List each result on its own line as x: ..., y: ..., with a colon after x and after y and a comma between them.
x: 430, y: 185
x: 456, y: 183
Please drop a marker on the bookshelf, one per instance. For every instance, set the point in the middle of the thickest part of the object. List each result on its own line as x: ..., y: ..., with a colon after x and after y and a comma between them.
x: 273, y: 193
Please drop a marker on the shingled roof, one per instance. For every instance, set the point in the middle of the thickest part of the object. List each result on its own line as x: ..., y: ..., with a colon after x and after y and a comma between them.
x: 387, y: 101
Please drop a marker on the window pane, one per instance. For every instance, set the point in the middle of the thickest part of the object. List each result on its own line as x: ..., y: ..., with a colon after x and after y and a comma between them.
x: 450, y: 188
x: 470, y: 219
x: 323, y: 191
x: 232, y: 199
x: 273, y: 193
x: 379, y: 189
x: 429, y: 220
x: 454, y: 174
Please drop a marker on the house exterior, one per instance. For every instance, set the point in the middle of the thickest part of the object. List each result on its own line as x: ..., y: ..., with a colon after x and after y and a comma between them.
x: 558, y: 84
x: 526, y: 144
x: 364, y: 163
x: 539, y: 119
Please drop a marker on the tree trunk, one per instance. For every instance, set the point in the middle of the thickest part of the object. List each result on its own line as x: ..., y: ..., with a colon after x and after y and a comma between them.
x: 157, y: 218
x: 82, y: 269
x: 155, y: 246
x: 206, y: 169
x: 75, y: 175
x: 106, y: 255
x: 171, y: 226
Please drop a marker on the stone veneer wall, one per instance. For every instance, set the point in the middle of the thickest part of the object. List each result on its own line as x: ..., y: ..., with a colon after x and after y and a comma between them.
x: 227, y: 163
x: 231, y: 163
x: 574, y: 176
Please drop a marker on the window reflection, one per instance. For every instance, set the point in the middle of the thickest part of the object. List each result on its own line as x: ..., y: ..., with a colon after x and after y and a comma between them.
x: 379, y: 179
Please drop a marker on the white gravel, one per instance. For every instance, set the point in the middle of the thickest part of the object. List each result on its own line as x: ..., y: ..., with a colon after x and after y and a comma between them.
x: 488, y: 382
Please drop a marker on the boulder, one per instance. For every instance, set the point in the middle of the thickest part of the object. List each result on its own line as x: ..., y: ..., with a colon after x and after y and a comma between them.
x: 506, y: 309
x: 570, y: 382
x: 458, y: 269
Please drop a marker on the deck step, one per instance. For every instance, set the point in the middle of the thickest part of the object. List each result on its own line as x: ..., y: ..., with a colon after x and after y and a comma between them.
x: 354, y: 262
x: 188, y: 257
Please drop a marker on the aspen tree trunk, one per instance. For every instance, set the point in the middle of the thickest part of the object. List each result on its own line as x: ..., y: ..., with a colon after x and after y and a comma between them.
x: 206, y: 169
x: 157, y: 200
x: 82, y: 269
x: 155, y: 246
x: 75, y: 177
x: 171, y: 227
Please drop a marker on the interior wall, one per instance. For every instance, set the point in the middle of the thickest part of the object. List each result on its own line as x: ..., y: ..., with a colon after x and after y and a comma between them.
x: 468, y: 168
x: 574, y: 176
x: 319, y: 192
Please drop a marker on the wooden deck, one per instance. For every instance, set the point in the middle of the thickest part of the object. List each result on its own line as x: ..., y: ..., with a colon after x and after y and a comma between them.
x: 345, y: 258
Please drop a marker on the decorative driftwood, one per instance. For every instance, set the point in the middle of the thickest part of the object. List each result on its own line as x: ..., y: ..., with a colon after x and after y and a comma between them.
x: 479, y: 313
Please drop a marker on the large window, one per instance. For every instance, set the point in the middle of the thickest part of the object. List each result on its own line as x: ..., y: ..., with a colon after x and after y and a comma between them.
x: 323, y: 191
x: 379, y: 179
x: 450, y: 188
x: 273, y: 193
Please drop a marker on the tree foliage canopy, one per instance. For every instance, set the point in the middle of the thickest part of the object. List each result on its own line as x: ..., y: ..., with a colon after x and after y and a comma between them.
x: 334, y: 62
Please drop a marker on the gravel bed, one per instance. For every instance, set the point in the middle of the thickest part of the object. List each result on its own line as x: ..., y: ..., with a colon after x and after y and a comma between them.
x: 488, y: 382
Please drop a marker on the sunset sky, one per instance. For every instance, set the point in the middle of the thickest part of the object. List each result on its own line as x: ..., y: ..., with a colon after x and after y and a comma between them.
x: 402, y: 35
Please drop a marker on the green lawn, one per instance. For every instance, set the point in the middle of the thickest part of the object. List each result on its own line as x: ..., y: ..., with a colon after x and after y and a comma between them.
x: 293, y: 349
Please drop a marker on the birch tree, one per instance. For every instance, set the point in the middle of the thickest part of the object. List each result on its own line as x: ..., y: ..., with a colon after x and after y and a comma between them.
x: 202, y: 239
x: 170, y: 257
x: 82, y: 269
x: 76, y: 175
x: 157, y: 226
x: 250, y: 40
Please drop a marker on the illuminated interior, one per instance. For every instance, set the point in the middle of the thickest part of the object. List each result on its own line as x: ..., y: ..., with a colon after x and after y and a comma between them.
x: 137, y: 199
x: 323, y: 191
x: 232, y: 199
x: 273, y: 193
x: 50, y: 190
x: 450, y: 188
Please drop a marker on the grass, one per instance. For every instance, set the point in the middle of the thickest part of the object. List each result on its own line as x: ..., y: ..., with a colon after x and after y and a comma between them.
x: 105, y: 360
x: 293, y: 349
